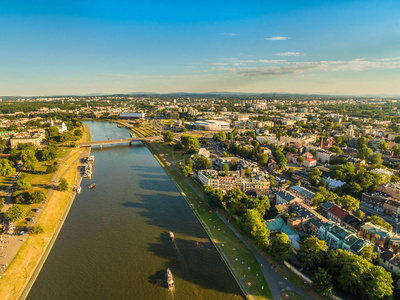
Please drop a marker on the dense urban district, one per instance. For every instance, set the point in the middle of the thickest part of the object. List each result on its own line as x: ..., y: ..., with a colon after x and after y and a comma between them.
x: 311, y: 181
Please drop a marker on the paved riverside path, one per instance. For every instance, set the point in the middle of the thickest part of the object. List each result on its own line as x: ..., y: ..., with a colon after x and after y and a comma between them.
x: 276, y: 282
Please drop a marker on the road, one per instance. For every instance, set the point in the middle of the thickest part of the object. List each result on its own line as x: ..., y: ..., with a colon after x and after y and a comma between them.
x: 370, y: 211
x: 276, y: 282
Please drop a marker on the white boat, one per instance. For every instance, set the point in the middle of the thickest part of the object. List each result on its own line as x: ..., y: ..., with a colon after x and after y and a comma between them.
x: 78, y: 190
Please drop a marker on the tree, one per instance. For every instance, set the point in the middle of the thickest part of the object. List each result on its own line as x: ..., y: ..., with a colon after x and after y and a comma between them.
x: 168, y: 137
x: 1, y: 203
x: 359, y: 214
x: 364, y: 152
x: 281, y: 247
x: 53, y: 132
x: 281, y: 160
x: 263, y: 160
x: 313, y: 252
x: 348, y: 202
x: 6, y: 167
x: 15, y: 213
x: 225, y: 167
x: 186, y: 170
x: 37, y: 229
x: 21, y: 184
x: 376, y: 159
x: 314, y: 176
x: 51, y: 168
x: 215, y: 198
x: 290, y: 171
x: 362, y: 141
x: 336, y: 149
x: 368, y: 253
x: 63, y: 185
x: 37, y: 197
x: 190, y: 143
x: 301, y: 160
x: 322, y: 281
x: 383, y: 146
x: 189, y: 163
x: 272, y: 179
x: 379, y: 221
x: 202, y: 163
x: 219, y: 137
x: 343, y: 172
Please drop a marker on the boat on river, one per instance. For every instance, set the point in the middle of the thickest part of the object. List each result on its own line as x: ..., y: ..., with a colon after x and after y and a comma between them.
x: 171, y: 235
x: 170, y: 280
x: 78, y: 190
x: 90, y: 159
x: 92, y: 186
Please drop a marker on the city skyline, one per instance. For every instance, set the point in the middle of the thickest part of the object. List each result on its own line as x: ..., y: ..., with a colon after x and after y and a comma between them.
x: 322, y: 47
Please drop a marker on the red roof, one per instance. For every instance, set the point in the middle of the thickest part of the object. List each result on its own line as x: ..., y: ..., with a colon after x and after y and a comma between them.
x: 338, y: 212
x: 311, y: 159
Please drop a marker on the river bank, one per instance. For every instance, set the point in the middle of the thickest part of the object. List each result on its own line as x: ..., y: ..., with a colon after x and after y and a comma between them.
x: 22, y: 271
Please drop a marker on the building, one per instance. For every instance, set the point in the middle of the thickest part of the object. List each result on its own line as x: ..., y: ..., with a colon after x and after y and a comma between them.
x: 324, y: 156
x: 34, y: 138
x: 351, y: 222
x: 302, y: 193
x: 208, y: 125
x: 279, y: 225
x: 209, y: 177
x: 337, y: 237
x: 171, y: 114
x: 285, y: 197
x: 389, y: 260
x: 132, y: 115
x: 310, y: 163
x: 380, y: 236
x: 60, y: 125
x: 336, y: 214
x: 333, y: 183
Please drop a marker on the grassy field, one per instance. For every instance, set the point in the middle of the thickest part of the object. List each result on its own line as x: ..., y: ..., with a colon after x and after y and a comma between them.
x: 240, y: 259
x: 291, y: 296
x: 23, y: 265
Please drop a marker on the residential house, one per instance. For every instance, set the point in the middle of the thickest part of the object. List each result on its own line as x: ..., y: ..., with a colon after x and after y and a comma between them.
x: 380, y: 236
x: 310, y: 163
x: 279, y: 225
x: 336, y: 214
x: 389, y: 260
x: 303, y: 193
x: 324, y: 207
x: 284, y: 197
x: 351, y: 222
x: 337, y: 237
x: 333, y: 183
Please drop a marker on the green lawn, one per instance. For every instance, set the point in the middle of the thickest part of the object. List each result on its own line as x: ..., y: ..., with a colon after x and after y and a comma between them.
x: 239, y: 256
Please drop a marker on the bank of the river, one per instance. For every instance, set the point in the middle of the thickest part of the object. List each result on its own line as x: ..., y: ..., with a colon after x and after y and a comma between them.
x: 238, y: 258
x: 23, y: 270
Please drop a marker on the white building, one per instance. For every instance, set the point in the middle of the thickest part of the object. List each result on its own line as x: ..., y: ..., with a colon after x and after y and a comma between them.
x: 60, y: 125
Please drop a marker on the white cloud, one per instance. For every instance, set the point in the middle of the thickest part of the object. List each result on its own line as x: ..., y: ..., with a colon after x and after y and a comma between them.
x: 236, y: 62
x: 288, y: 54
x: 289, y: 68
x: 277, y: 38
x: 115, y: 75
x: 229, y: 33
x: 390, y: 58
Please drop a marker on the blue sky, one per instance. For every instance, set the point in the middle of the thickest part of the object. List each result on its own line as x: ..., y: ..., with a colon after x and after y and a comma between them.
x: 79, y: 47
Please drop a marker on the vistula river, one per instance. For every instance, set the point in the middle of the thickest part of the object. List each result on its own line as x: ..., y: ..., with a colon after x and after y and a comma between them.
x: 114, y: 243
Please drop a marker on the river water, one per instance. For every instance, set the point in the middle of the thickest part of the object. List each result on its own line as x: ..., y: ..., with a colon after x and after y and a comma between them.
x: 114, y: 243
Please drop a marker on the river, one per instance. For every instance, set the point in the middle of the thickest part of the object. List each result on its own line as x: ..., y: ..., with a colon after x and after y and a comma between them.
x: 114, y: 243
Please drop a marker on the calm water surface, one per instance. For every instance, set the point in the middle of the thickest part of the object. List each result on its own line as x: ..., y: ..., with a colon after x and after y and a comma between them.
x: 115, y: 244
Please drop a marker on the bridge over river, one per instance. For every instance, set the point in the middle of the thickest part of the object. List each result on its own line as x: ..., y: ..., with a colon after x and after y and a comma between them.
x: 121, y: 141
